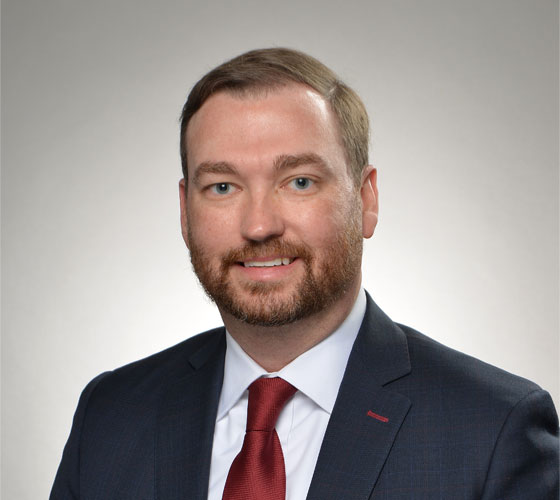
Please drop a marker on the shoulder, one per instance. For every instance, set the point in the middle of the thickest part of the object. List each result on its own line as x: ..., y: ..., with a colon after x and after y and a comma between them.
x: 462, y: 380
x: 142, y: 381
x: 481, y: 428
x: 502, y: 422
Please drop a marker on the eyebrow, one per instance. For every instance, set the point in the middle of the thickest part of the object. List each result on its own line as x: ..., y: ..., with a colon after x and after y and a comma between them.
x: 208, y: 167
x: 282, y: 162
x: 292, y: 161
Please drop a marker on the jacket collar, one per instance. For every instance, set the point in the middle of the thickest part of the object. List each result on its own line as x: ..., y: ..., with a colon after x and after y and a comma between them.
x: 367, y: 415
x: 185, y: 427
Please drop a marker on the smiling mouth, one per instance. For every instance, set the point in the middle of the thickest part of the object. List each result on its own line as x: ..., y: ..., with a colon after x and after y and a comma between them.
x: 281, y: 261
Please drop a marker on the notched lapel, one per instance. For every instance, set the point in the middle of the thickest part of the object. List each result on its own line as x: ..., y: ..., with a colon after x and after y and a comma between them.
x: 186, y: 426
x: 367, y: 416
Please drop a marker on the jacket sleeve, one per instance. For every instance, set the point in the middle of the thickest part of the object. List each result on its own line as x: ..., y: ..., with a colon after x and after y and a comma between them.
x: 525, y: 459
x: 67, y: 481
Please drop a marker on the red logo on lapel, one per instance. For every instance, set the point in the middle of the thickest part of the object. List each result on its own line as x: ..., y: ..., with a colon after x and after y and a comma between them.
x: 378, y: 417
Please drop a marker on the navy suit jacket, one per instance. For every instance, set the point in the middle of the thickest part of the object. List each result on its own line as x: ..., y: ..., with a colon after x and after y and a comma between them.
x: 413, y: 419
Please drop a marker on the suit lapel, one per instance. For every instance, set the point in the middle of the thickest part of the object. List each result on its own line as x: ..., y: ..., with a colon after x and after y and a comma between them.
x: 185, y: 427
x: 367, y: 416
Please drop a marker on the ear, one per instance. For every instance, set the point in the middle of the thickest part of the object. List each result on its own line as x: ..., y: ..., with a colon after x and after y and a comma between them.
x: 183, y: 204
x: 370, y: 205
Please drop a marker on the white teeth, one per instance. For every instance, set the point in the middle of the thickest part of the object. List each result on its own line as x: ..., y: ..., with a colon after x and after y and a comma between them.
x: 284, y: 261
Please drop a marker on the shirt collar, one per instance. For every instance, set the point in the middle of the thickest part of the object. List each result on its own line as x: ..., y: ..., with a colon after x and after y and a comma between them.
x: 317, y: 372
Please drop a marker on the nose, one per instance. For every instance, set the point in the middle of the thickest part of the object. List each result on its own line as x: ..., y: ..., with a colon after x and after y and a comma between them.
x: 261, y: 218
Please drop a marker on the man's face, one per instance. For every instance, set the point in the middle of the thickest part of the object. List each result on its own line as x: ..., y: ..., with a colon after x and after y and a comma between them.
x: 271, y: 215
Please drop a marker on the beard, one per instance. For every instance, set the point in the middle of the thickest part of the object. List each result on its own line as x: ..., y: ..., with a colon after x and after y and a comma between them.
x: 265, y: 304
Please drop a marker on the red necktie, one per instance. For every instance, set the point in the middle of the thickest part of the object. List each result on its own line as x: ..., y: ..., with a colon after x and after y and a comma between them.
x: 258, y: 472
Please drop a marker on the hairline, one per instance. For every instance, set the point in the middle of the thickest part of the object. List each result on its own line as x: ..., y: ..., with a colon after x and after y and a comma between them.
x: 263, y: 89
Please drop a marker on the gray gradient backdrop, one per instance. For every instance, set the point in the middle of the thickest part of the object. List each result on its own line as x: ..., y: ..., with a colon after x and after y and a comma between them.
x: 463, y: 97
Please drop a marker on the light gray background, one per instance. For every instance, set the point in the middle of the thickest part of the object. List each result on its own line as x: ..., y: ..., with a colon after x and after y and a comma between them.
x: 463, y: 97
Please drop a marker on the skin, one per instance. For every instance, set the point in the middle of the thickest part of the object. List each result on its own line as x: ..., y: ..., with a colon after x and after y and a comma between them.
x: 242, y: 190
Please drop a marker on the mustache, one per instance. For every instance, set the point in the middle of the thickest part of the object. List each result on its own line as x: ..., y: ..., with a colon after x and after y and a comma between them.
x: 257, y: 249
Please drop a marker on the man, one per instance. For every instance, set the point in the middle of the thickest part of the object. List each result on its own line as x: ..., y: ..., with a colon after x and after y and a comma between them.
x: 337, y: 400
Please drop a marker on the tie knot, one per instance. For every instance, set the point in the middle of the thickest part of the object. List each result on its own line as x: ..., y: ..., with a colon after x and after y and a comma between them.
x: 267, y: 397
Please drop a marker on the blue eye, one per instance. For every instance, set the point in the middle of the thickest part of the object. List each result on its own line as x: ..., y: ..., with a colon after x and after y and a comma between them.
x: 302, y: 183
x: 222, y: 188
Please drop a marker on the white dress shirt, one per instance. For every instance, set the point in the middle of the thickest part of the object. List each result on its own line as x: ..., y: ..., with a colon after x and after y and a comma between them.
x: 316, y: 374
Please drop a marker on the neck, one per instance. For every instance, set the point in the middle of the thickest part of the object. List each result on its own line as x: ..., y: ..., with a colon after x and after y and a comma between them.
x: 275, y: 347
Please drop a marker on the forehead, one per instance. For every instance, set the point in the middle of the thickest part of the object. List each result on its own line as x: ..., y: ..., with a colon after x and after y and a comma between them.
x: 290, y: 119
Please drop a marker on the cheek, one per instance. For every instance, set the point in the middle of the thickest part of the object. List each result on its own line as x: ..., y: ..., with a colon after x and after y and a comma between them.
x: 211, y: 229
x: 319, y: 225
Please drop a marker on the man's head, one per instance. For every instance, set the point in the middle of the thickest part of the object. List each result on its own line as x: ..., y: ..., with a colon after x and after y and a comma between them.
x: 265, y: 70
x: 272, y: 211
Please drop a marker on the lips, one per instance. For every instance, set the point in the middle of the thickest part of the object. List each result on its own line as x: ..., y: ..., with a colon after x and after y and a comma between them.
x: 271, y: 254
x: 280, y: 261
